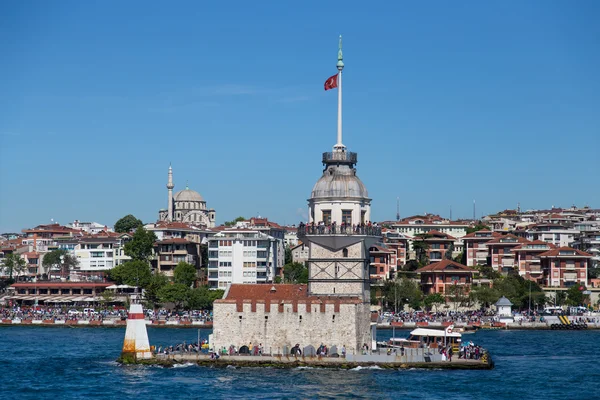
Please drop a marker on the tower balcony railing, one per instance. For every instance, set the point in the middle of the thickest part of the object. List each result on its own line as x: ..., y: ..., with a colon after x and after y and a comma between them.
x: 334, y: 229
x: 341, y: 156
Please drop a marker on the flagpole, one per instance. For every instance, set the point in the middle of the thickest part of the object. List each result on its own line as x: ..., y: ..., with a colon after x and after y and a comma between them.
x: 340, y: 67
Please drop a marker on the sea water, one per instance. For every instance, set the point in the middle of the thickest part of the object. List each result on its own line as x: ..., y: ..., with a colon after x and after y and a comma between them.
x: 79, y: 363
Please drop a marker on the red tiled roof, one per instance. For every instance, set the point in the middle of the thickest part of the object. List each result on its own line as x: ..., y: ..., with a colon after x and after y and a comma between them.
x: 31, y: 254
x: 446, y: 265
x: 174, y: 225
x: 174, y: 241
x: 254, y: 292
x: 498, y: 240
x: 382, y: 249
x: 474, y: 234
x: 436, y: 235
x: 556, y: 253
x: 533, y: 242
x: 42, y: 284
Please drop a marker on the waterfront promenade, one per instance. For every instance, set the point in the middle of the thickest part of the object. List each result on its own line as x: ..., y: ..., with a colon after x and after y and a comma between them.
x: 592, y: 323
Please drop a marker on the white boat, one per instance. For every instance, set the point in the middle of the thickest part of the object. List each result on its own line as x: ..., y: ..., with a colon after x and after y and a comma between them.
x: 425, y: 337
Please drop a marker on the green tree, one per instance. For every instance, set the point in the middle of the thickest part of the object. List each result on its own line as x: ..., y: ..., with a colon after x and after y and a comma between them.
x: 133, y: 273
x: 141, y: 244
x: 176, y: 293
x: 288, y: 255
x: 235, y: 221
x: 434, y: 299
x: 185, y: 274
x: 127, y: 224
x: 411, y: 265
x: 295, y: 273
x: 488, y: 272
x: 486, y: 296
x: 204, y: 255
x: 478, y: 227
x: 400, y: 292
x: 420, y: 248
x: 458, y: 295
x: 449, y: 251
x: 14, y: 264
x: 202, y: 298
x: 519, y: 291
x: 575, y: 296
x: 107, y: 297
x: 60, y: 258
x: 151, y: 292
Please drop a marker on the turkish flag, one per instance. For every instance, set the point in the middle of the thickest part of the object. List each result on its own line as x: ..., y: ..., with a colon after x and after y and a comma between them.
x: 331, y: 82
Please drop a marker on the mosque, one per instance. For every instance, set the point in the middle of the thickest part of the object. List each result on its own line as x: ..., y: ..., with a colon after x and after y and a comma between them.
x: 186, y: 206
x: 334, y: 308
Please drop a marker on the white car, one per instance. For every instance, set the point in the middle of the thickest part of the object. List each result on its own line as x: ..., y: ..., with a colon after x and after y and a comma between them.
x: 73, y: 312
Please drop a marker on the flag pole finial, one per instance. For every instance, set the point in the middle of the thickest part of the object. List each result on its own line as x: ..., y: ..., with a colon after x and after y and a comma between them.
x: 340, y: 66
x: 340, y: 63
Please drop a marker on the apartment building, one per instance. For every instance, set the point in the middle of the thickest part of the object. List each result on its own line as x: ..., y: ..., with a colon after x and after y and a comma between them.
x: 440, y: 276
x: 500, y: 252
x: 172, y: 251
x: 476, y: 249
x: 558, y: 235
x: 399, y: 243
x: 528, y: 259
x: 565, y: 267
x: 382, y: 264
x: 243, y: 255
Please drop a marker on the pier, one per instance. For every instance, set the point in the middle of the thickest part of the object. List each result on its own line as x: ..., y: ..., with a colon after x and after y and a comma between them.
x: 413, y: 358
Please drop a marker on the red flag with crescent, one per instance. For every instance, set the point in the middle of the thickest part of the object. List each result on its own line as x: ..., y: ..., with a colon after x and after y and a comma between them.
x: 331, y: 82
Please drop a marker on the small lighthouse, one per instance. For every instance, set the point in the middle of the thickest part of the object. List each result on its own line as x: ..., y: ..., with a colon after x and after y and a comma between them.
x: 136, y: 346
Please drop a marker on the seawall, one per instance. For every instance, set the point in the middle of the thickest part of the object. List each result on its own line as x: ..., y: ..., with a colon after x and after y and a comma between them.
x: 348, y: 362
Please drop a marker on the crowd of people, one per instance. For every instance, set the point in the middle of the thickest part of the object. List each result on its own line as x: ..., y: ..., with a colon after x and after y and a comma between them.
x: 464, y: 317
x: 322, y: 228
x: 88, y: 312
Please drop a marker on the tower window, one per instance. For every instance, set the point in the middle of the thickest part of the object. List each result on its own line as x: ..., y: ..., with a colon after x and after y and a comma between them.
x: 327, y: 217
x: 347, y: 217
x: 345, y: 252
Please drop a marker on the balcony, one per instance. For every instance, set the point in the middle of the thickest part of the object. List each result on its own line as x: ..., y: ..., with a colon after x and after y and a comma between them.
x: 304, y: 230
x: 342, y: 157
x: 535, y: 271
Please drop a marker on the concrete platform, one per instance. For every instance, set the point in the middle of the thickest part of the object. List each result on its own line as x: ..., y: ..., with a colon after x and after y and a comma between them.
x: 351, y: 361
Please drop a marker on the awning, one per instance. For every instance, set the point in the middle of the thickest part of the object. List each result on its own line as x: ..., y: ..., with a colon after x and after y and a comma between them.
x: 80, y: 298
x: 112, y: 287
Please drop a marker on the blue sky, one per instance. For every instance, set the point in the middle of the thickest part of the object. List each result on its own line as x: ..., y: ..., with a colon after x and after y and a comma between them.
x: 445, y: 102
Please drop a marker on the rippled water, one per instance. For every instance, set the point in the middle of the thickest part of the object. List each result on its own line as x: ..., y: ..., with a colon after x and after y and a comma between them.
x: 75, y: 363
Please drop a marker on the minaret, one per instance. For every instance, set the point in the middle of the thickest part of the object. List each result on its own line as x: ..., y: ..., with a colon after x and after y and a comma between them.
x: 340, y: 66
x: 170, y: 186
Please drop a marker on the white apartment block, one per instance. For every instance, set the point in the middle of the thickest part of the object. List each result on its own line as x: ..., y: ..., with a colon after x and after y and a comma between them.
x: 96, y: 253
x: 240, y: 255
x: 557, y: 235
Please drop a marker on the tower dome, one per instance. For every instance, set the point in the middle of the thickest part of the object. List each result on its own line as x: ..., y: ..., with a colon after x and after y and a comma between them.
x: 339, y: 181
x: 188, y: 195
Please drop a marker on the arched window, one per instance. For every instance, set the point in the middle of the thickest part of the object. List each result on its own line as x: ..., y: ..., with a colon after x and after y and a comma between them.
x: 345, y: 252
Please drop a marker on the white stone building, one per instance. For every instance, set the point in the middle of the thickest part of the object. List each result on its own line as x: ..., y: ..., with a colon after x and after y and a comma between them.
x: 242, y: 255
x: 186, y: 206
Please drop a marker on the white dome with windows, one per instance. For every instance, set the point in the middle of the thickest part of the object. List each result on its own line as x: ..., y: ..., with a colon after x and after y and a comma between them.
x: 188, y: 195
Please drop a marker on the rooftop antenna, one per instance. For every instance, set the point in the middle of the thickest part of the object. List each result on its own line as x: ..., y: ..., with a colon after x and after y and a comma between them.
x: 450, y: 213
x: 397, y: 208
x: 474, y: 216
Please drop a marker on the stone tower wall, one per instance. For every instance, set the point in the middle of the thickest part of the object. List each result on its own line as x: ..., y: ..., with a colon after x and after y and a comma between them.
x: 280, y: 325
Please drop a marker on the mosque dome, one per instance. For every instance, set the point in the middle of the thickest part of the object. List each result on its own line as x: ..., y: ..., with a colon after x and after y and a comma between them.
x: 339, y: 181
x: 188, y: 195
